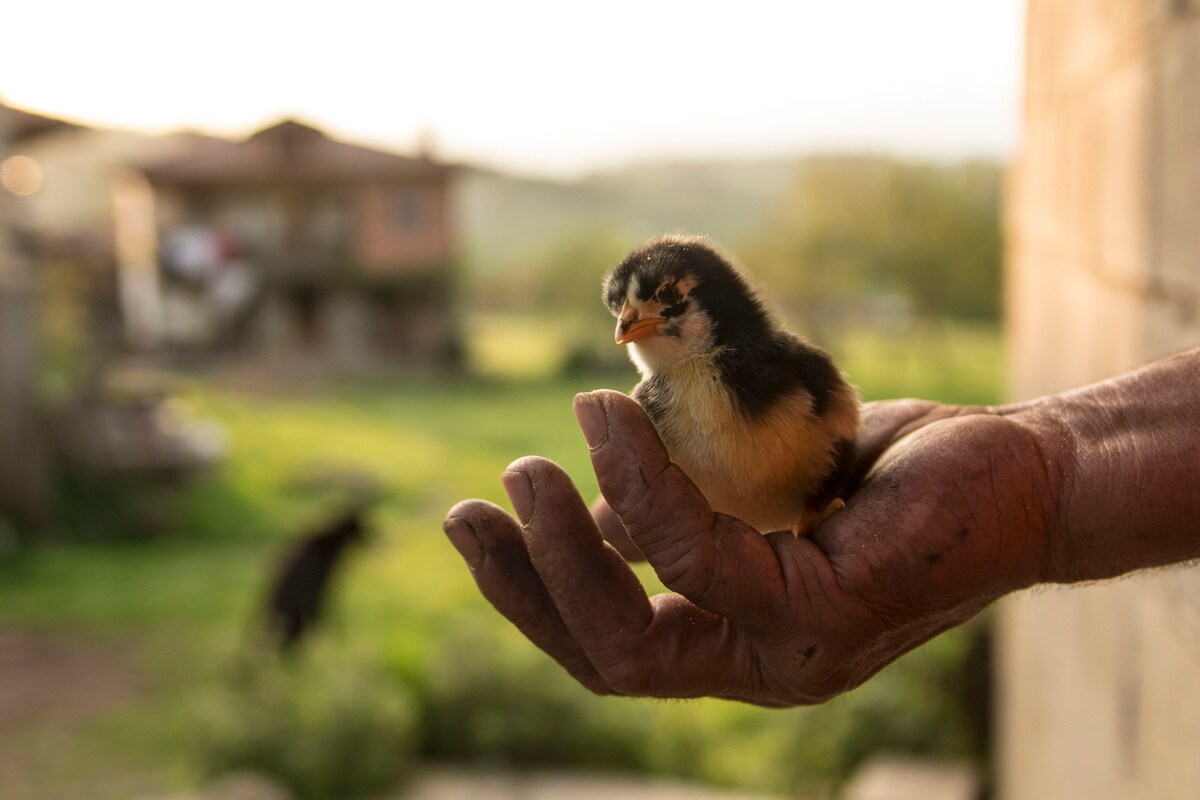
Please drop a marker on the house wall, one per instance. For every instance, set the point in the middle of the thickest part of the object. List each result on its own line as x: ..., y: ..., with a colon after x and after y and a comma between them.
x: 1099, y: 686
x: 384, y: 229
x: 402, y: 227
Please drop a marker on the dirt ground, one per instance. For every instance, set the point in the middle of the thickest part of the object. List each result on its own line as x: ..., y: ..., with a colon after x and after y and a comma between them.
x: 51, y: 687
x: 53, y: 680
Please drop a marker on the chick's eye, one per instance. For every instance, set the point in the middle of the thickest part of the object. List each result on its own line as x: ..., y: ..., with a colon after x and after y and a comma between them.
x: 669, y: 294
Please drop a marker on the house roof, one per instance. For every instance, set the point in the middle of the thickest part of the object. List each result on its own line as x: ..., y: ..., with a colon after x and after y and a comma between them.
x: 24, y: 125
x: 288, y: 153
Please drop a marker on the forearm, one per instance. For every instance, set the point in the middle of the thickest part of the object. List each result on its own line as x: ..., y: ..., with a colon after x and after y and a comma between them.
x: 1126, y: 456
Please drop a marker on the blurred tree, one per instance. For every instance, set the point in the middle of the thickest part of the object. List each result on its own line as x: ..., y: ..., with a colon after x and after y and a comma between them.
x: 559, y: 283
x: 559, y: 275
x: 855, y: 226
x: 571, y: 272
x: 945, y: 238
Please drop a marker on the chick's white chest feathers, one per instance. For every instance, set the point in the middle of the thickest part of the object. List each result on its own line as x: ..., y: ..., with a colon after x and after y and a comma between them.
x: 763, y: 470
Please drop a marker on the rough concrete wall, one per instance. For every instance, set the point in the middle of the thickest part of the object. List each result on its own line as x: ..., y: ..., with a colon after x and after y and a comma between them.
x: 1100, y: 686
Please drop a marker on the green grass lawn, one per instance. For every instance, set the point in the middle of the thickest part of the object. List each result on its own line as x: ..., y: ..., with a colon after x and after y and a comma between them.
x: 405, y: 611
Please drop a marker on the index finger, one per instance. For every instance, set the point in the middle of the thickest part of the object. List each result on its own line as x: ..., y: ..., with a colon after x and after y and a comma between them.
x: 718, y: 562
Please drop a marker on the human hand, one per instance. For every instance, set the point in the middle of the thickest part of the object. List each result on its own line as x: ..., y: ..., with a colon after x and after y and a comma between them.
x: 952, y: 512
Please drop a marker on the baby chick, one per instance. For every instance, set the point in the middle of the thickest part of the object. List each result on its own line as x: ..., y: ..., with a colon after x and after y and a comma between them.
x: 760, y: 420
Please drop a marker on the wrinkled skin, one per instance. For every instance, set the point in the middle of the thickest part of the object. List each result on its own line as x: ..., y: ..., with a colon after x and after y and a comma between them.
x: 952, y: 510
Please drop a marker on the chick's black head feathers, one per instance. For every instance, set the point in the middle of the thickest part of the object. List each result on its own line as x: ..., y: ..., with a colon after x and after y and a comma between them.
x: 679, y: 271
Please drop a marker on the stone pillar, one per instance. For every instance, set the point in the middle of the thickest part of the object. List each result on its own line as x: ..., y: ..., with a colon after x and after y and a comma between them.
x: 347, y: 317
x: 1099, y: 692
x: 136, y: 249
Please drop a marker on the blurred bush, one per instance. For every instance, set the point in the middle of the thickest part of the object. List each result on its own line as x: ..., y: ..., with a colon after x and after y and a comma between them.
x: 490, y: 703
x: 325, y: 727
x: 70, y: 335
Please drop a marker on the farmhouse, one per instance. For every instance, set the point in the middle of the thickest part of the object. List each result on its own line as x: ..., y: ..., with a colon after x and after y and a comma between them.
x: 303, y: 245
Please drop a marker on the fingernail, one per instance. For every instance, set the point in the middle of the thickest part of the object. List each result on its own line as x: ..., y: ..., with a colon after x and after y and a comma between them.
x: 592, y: 417
x: 520, y: 493
x: 462, y: 536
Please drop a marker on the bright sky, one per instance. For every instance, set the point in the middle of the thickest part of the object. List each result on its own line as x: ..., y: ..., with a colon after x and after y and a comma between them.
x: 544, y: 86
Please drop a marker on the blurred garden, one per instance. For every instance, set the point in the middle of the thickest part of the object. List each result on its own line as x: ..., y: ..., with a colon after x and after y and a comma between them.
x: 892, y: 266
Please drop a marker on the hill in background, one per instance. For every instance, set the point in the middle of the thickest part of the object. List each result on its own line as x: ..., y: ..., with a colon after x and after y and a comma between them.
x: 507, y: 220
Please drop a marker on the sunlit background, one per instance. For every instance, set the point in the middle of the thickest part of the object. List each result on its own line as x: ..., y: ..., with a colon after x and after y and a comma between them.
x: 285, y: 269
x: 538, y: 87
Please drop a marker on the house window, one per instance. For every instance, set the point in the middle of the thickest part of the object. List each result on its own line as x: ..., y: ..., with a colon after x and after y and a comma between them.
x: 408, y: 210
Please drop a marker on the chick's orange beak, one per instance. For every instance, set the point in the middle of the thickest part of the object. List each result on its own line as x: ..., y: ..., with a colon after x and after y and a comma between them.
x: 631, y: 327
